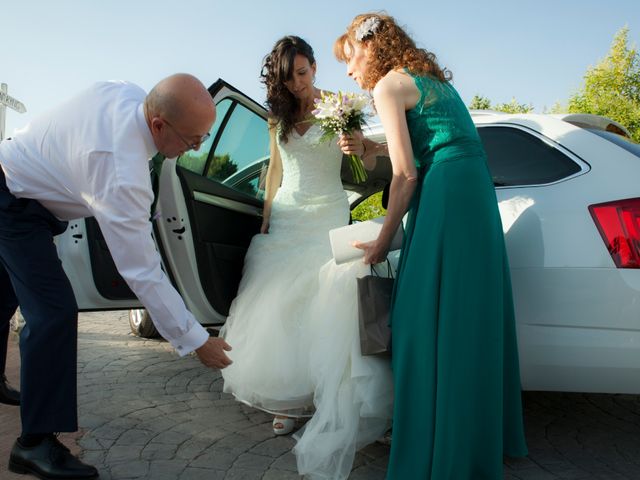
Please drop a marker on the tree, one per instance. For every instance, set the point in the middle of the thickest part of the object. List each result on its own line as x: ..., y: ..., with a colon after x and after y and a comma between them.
x: 612, y: 87
x: 513, y: 107
x: 221, y: 167
x: 478, y: 102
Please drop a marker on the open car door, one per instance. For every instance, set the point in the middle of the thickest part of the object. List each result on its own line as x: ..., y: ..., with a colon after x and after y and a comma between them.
x: 210, y: 205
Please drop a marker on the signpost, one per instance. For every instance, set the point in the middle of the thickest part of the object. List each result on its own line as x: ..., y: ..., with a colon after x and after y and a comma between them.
x: 7, y: 101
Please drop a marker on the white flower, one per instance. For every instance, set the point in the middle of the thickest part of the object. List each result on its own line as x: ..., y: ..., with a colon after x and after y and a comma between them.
x: 367, y: 28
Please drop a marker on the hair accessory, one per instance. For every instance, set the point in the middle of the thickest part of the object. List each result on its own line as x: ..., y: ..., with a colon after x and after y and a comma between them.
x: 367, y: 28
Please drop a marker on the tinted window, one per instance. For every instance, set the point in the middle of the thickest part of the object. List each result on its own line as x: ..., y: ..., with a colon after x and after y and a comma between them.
x: 624, y: 142
x: 195, y: 160
x: 238, y: 155
x: 518, y: 158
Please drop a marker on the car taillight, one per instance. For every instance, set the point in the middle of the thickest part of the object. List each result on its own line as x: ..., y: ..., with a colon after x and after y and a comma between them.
x: 619, y: 225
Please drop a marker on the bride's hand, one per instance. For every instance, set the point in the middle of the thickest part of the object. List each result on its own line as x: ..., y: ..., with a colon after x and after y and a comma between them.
x: 265, y: 225
x: 374, y: 252
x: 352, y: 144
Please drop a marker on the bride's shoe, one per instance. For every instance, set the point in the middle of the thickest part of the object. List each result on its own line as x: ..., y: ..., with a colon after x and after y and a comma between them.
x: 283, y: 425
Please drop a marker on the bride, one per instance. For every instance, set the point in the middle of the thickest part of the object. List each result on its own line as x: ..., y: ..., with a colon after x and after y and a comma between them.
x: 293, y: 324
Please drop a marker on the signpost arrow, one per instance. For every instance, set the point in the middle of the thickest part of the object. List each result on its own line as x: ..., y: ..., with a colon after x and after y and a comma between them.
x: 7, y: 101
x: 12, y: 103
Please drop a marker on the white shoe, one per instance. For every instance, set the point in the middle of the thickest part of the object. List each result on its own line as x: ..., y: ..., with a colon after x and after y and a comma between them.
x: 283, y: 425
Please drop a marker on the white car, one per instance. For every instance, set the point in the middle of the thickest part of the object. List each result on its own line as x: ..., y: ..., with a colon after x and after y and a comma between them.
x: 569, y: 195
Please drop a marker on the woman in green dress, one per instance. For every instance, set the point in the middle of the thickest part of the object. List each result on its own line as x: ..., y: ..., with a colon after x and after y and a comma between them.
x: 457, y: 386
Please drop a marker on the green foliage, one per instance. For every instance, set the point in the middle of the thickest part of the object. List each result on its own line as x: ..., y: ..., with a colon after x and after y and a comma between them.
x: 612, y: 87
x: 478, y: 102
x: 193, y: 160
x: 513, y: 107
x: 369, y: 208
x: 557, y: 108
x: 221, y: 168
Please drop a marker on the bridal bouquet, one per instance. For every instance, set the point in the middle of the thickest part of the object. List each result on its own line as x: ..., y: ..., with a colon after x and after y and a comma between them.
x: 342, y: 113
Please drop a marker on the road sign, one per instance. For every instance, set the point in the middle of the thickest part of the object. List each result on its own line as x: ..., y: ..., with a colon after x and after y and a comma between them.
x: 7, y: 101
x: 12, y: 103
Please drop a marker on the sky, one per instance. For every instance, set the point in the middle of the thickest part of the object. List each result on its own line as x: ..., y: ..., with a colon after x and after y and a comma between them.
x: 535, y: 51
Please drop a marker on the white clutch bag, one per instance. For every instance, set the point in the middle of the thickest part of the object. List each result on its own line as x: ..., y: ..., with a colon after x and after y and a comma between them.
x: 342, y: 239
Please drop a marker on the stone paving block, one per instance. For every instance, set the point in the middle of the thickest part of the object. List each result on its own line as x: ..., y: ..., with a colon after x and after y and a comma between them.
x: 368, y: 472
x: 129, y: 470
x: 192, y: 448
x: 285, y: 462
x: 215, y: 459
x: 134, y: 437
x: 252, y: 461
x: 158, y: 451
x: 381, y: 462
x: 123, y: 454
x: 532, y: 474
x: 274, y: 474
x: 235, y: 443
x: 171, y: 437
x: 273, y: 447
x: 191, y: 473
x: 243, y: 474
x: 93, y: 457
x: 166, y: 469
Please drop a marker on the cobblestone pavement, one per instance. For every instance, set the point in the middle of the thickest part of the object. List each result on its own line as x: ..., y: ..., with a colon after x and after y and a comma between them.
x: 147, y: 414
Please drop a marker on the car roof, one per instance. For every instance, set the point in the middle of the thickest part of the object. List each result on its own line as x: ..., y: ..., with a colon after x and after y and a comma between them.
x: 582, y: 120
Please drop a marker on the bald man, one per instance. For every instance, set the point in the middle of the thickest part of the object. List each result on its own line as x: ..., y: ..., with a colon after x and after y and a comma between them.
x: 89, y: 157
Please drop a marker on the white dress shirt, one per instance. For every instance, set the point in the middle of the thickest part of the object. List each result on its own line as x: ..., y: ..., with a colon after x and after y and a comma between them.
x: 90, y: 157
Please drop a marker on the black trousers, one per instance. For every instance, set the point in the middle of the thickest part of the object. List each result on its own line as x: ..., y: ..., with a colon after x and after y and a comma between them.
x: 31, y: 275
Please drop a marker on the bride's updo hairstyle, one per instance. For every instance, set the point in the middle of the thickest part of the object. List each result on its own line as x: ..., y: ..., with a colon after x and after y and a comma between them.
x: 277, y: 68
x: 390, y: 48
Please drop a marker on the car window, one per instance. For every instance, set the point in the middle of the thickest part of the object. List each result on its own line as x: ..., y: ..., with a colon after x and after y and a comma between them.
x: 242, y: 149
x: 237, y: 152
x: 516, y: 157
x: 624, y: 142
x: 195, y: 160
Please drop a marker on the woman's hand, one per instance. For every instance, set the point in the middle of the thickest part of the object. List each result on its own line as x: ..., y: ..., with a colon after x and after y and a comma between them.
x: 264, y: 228
x: 374, y: 252
x: 352, y: 144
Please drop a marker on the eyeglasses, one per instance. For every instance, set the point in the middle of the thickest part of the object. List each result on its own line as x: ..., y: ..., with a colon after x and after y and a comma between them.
x: 190, y: 146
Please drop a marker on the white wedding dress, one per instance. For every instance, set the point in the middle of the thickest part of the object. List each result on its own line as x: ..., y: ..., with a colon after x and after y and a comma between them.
x: 293, y: 326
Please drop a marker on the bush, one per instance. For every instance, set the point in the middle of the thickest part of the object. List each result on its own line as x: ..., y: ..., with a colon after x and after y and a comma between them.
x: 369, y: 208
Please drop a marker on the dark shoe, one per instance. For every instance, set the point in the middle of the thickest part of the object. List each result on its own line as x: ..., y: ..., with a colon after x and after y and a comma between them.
x: 49, y: 460
x: 8, y: 395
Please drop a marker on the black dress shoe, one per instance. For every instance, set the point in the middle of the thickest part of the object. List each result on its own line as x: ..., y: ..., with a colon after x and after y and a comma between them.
x: 49, y: 460
x: 8, y: 395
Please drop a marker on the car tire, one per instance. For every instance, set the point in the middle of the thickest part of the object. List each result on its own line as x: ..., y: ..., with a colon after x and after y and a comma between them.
x: 141, y: 324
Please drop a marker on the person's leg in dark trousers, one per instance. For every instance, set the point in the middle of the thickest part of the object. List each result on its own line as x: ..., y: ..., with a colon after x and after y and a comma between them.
x: 8, y: 306
x: 48, y: 347
x: 48, y: 341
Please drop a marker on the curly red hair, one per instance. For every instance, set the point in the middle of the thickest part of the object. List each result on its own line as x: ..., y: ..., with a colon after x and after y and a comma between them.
x: 390, y: 48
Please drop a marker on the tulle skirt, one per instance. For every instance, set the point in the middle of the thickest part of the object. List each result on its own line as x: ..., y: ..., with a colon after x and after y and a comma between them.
x: 293, y: 328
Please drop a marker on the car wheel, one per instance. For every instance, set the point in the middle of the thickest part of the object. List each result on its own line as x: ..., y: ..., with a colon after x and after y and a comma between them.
x: 141, y: 324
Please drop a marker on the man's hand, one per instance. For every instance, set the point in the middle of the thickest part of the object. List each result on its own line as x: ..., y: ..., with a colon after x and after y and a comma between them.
x: 212, y: 355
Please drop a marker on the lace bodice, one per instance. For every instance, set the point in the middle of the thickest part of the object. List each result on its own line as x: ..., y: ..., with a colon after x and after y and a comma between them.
x: 311, y: 168
x: 440, y: 125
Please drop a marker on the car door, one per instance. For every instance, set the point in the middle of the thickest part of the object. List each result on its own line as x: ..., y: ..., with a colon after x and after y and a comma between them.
x: 209, y: 207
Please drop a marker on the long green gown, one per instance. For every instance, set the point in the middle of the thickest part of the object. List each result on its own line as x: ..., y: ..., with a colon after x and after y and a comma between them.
x: 454, y: 354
